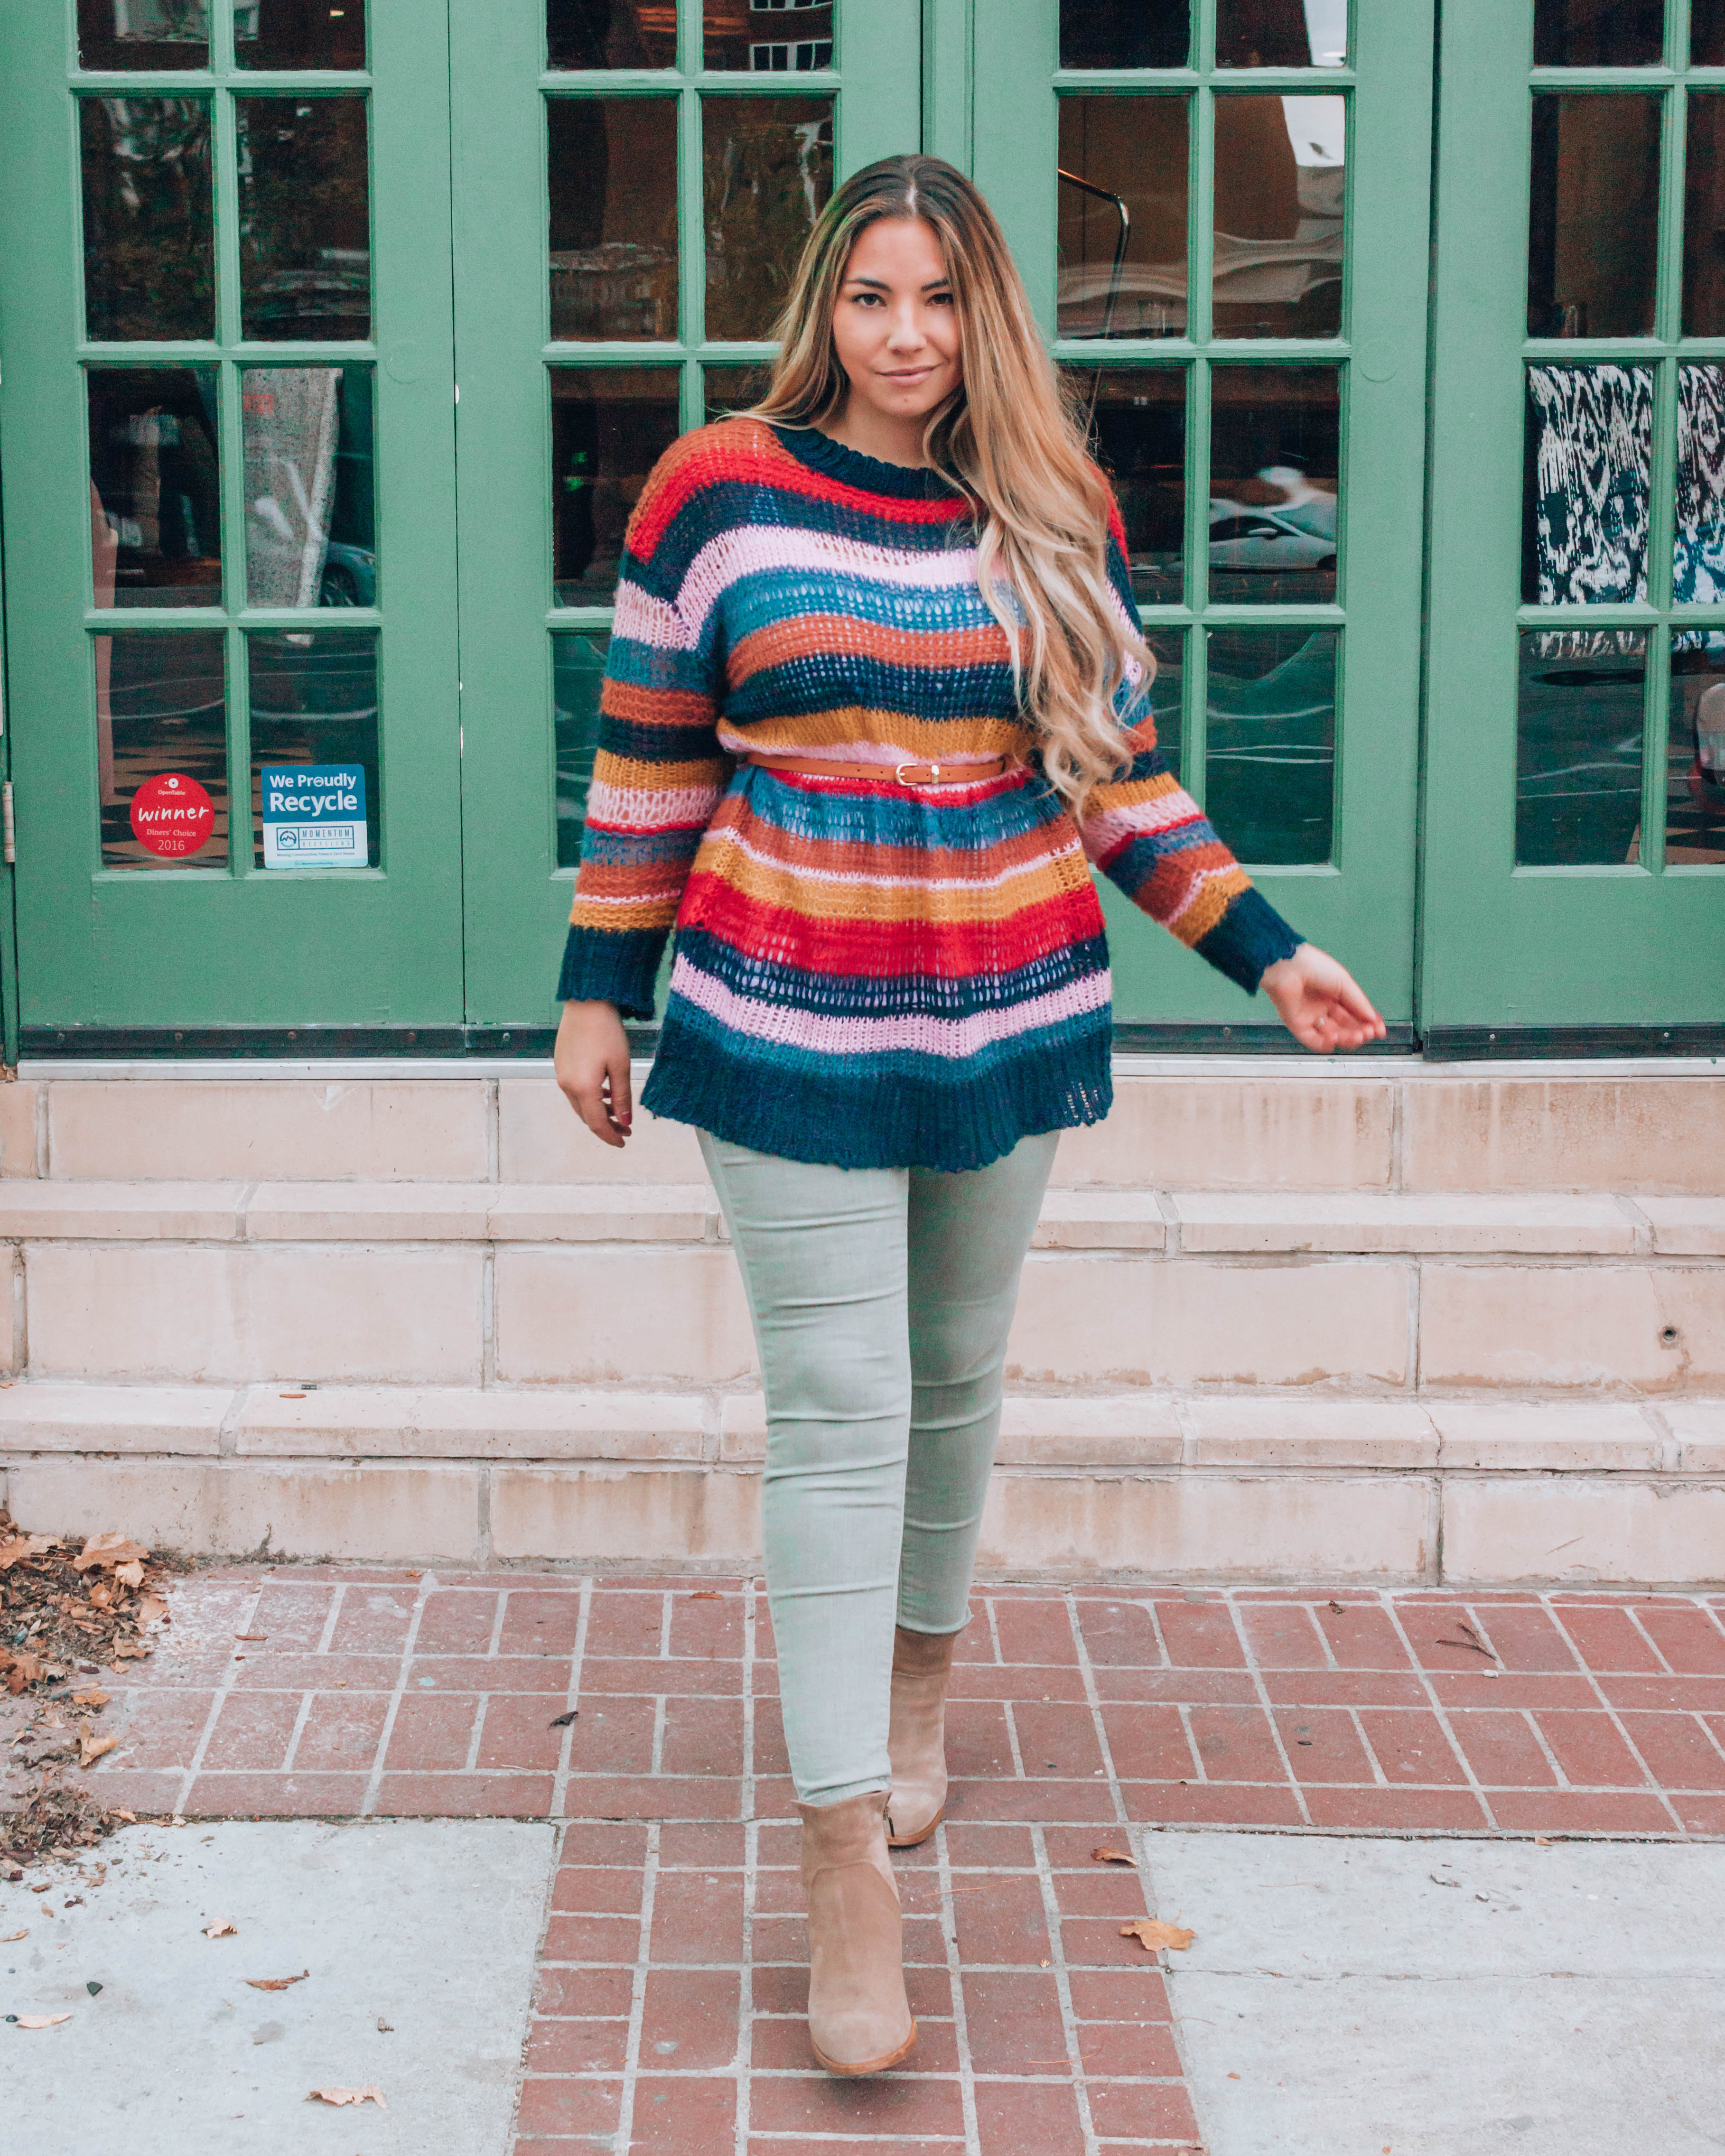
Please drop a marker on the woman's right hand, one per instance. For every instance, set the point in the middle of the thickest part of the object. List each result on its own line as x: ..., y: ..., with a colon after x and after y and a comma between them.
x: 592, y: 1061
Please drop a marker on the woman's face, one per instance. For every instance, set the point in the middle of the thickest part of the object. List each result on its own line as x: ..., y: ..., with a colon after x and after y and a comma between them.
x: 894, y: 326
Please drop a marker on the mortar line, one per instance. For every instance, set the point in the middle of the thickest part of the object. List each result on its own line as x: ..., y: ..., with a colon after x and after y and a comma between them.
x: 1634, y: 1617
x: 1063, y: 1986
x: 1654, y: 1781
x: 476, y: 1735
x: 955, y: 1984
x: 1148, y: 1604
x: 666, y: 1603
x: 751, y: 1870
x: 1012, y: 1739
x: 572, y: 1700
x: 332, y: 1619
x: 374, y: 1780
x: 656, y: 1763
x: 638, y: 1998
x: 500, y: 1615
x: 994, y: 1630
x: 1370, y: 1750
x: 301, y: 1718
x: 1267, y: 1705
x: 1087, y: 1676
x: 1386, y: 1602
x: 218, y: 1700
x: 1200, y: 1772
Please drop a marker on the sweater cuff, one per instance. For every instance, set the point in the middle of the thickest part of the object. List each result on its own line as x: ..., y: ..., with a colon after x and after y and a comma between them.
x: 602, y: 967
x: 1251, y: 936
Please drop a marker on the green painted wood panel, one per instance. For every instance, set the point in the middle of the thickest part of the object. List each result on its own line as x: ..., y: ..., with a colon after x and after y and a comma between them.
x: 1641, y: 941
x: 218, y: 946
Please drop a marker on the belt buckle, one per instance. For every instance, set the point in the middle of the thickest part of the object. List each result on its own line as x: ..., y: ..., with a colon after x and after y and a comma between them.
x: 934, y: 770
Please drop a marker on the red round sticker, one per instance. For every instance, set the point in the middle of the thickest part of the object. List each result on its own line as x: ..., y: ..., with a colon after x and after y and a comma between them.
x: 172, y: 814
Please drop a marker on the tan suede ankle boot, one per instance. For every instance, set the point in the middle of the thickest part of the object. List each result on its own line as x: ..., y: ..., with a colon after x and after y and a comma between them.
x: 859, y: 2018
x: 916, y: 1742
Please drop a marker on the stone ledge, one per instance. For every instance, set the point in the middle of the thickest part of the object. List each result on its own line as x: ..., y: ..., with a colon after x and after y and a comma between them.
x: 1363, y: 1221
x: 455, y: 1422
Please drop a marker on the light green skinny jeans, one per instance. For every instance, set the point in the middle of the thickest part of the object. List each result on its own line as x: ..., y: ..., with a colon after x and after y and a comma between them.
x: 881, y: 1299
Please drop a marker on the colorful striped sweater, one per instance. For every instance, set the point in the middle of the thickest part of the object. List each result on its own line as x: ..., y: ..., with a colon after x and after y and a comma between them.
x: 864, y: 973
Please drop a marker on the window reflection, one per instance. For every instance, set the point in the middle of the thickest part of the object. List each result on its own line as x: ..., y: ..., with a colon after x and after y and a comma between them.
x: 149, y: 231
x: 310, y: 496
x: 1590, y: 440
x: 609, y: 426
x: 577, y: 670
x: 305, y: 218
x: 1279, y: 196
x: 161, y: 711
x: 733, y: 389
x: 1276, y: 448
x: 155, y: 493
x: 299, y: 33
x: 611, y: 33
x: 1704, y: 217
x: 1137, y: 434
x: 1599, y: 33
x: 767, y: 173
x: 1707, y: 33
x: 1253, y: 33
x: 613, y: 218
x: 1168, y: 691
x: 314, y: 712
x: 768, y: 37
x: 1594, y: 217
x: 1125, y: 34
x: 1694, y: 757
x: 1271, y: 748
x: 1578, y: 746
x: 143, y: 33
x: 1122, y: 189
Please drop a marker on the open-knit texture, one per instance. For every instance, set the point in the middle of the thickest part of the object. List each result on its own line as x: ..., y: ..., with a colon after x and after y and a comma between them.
x: 866, y: 973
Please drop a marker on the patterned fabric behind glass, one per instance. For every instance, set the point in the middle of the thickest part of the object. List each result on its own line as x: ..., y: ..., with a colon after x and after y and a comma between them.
x: 1698, y: 567
x: 1594, y: 443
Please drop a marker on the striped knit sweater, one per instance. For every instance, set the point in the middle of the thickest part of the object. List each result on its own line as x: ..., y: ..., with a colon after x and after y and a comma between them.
x: 865, y: 973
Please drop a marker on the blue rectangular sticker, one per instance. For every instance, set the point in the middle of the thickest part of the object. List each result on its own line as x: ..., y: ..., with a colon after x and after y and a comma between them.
x: 315, y: 817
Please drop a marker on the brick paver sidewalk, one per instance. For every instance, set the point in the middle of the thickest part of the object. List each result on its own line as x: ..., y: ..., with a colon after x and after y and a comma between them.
x: 672, y: 1967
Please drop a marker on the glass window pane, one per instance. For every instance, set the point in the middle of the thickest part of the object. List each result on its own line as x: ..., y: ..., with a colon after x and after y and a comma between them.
x: 1707, y: 33
x: 156, y: 490
x: 1271, y: 753
x: 315, y: 773
x: 734, y: 388
x: 611, y: 33
x: 299, y: 33
x: 310, y: 496
x: 143, y: 33
x: 1578, y: 746
x: 1590, y: 440
x: 609, y: 428
x: 1280, y: 175
x: 1122, y: 189
x: 1167, y: 692
x: 149, y: 233
x: 162, y: 724
x: 1594, y: 217
x: 1275, y: 451
x: 1698, y: 557
x: 578, y: 669
x: 1599, y: 33
x: 1125, y: 34
x: 1281, y: 33
x: 767, y: 173
x: 305, y: 218
x: 1137, y: 433
x: 768, y: 37
x: 1704, y: 218
x: 1695, y: 757
x: 613, y: 218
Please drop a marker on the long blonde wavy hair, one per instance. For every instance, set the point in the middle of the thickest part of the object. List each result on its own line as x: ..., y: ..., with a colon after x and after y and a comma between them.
x: 1008, y: 439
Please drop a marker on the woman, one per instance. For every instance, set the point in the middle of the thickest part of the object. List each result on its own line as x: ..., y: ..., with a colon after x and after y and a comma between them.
x: 875, y: 688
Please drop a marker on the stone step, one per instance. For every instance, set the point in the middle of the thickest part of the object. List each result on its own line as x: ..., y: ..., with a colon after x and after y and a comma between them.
x: 1289, y: 1123
x: 1178, y: 1485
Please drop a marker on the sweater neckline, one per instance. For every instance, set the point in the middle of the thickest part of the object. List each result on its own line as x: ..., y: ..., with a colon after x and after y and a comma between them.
x: 868, y: 475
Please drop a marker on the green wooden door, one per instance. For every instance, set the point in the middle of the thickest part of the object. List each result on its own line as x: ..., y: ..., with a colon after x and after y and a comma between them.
x: 1222, y: 212
x: 633, y: 184
x: 1575, y: 828
x: 228, y: 470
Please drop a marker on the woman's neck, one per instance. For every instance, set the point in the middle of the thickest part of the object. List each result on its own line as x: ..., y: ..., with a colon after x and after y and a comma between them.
x: 877, y: 435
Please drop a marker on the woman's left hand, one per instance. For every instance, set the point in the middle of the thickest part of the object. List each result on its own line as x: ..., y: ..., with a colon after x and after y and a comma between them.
x: 1320, y: 1002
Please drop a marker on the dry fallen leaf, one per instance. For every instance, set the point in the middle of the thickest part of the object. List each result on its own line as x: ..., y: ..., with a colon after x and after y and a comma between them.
x: 131, y: 1818
x: 1152, y: 1932
x: 91, y: 1696
x: 151, y: 1608
x: 12, y: 1937
x: 91, y: 1748
x: 1542, y: 1841
x: 42, y: 2020
x: 23, y: 1545
x: 706, y: 1594
x: 563, y: 1721
x: 130, y: 1575
x: 106, y: 1551
x: 221, y: 1929
x: 1104, y: 1854
x: 370, y: 2094
x: 276, y: 1982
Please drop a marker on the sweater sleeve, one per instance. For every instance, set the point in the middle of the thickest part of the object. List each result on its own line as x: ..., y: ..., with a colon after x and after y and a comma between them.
x: 659, y: 771
x: 1148, y: 835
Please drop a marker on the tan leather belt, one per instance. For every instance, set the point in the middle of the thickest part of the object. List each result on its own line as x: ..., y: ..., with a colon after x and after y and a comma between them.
x: 903, y: 774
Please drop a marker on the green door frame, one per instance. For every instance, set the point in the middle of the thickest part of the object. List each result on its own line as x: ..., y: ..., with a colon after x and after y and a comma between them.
x: 153, y: 956
x: 1551, y: 959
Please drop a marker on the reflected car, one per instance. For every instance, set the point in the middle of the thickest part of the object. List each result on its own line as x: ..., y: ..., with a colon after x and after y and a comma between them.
x: 349, y: 577
x: 1260, y: 539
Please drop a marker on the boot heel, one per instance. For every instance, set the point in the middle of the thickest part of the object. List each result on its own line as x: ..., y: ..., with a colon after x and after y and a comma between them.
x: 859, y: 2019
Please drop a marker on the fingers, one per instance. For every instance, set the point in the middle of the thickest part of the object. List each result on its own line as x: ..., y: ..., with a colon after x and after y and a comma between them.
x: 622, y: 1097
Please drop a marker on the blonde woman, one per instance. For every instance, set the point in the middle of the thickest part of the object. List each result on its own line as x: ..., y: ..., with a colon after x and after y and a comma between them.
x: 875, y: 691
